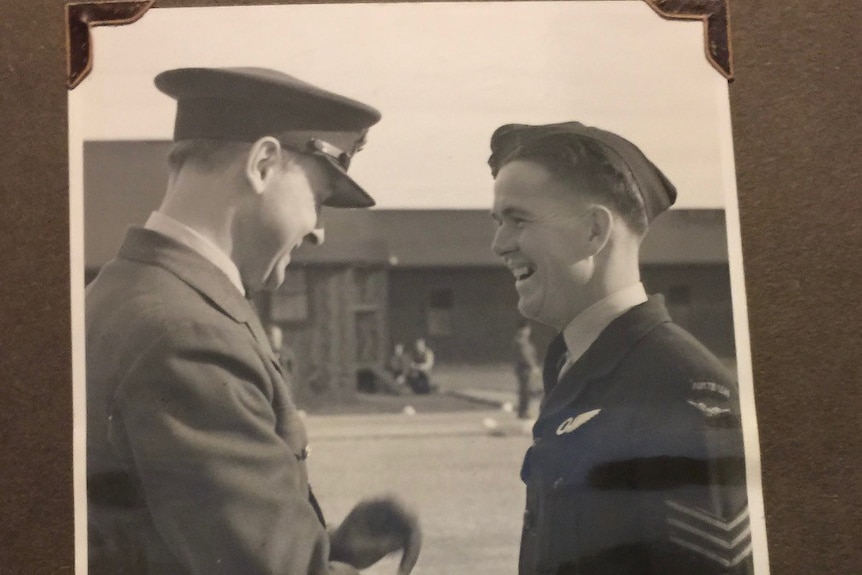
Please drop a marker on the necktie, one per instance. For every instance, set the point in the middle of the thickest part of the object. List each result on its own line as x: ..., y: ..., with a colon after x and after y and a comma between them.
x: 565, y: 363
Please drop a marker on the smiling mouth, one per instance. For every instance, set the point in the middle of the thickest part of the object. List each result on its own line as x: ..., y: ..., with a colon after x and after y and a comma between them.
x: 524, y: 272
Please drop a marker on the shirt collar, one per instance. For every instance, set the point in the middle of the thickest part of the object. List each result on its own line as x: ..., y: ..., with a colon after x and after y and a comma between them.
x: 177, y: 231
x: 586, y: 327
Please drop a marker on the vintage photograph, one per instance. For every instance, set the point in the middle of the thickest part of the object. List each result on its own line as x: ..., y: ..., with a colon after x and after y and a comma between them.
x: 435, y: 288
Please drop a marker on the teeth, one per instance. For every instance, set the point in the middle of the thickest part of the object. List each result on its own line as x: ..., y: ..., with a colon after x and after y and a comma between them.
x: 523, y: 272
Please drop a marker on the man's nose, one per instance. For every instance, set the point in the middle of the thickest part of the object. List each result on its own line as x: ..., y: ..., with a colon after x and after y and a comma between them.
x: 315, y: 237
x: 503, y: 242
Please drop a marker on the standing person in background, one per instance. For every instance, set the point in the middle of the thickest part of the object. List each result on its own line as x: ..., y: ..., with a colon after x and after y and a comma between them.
x: 637, y: 465
x: 283, y: 352
x: 196, y: 453
x: 527, y: 367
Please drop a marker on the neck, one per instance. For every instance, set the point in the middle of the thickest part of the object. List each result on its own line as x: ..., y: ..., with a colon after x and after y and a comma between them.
x: 616, y: 269
x: 196, y: 201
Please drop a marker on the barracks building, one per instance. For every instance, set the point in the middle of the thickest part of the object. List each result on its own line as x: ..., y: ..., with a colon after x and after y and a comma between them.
x: 388, y: 276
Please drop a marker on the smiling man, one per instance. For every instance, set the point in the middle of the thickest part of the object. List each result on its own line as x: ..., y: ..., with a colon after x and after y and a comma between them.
x: 195, y: 450
x: 637, y: 463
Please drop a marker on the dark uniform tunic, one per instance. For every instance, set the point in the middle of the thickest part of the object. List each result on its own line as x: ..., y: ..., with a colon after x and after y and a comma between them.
x: 637, y: 464
x: 195, y: 451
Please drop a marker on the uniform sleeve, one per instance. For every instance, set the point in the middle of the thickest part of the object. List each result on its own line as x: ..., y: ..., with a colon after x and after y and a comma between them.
x: 703, y: 504
x: 226, y: 491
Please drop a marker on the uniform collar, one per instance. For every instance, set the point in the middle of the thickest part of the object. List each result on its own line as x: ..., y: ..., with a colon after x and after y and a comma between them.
x: 153, y: 248
x: 603, y: 356
x: 183, y: 234
x: 586, y: 327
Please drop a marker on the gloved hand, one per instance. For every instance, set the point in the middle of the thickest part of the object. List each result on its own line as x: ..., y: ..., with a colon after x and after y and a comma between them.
x: 375, y: 528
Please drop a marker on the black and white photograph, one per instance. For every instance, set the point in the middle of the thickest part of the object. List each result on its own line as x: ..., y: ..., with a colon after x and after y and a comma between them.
x: 431, y: 288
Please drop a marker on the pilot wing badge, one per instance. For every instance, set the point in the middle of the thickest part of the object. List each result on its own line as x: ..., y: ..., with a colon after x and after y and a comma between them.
x: 709, y: 410
x: 572, y: 423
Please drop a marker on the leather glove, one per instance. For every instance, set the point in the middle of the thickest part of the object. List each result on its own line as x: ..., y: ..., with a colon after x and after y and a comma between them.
x: 375, y: 528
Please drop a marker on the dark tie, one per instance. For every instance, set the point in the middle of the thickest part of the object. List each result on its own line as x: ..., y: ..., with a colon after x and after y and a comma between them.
x: 564, y: 364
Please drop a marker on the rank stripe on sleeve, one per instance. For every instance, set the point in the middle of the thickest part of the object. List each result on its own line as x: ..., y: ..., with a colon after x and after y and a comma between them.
x: 723, y: 561
x: 700, y: 515
x: 724, y: 541
x: 719, y: 541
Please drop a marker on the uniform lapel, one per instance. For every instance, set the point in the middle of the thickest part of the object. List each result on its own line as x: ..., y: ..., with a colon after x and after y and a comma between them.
x: 147, y: 246
x: 254, y: 325
x: 609, y: 349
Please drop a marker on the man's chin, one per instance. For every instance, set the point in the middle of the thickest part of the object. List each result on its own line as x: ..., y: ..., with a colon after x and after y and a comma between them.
x: 273, y: 282
x: 275, y: 277
x: 533, y: 312
x: 527, y: 310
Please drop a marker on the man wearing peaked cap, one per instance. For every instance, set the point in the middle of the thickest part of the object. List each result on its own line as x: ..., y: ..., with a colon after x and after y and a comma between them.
x: 637, y: 463
x: 245, y: 104
x: 195, y: 449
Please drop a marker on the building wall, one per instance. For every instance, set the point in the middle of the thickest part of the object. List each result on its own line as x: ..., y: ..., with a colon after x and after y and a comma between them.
x: 336, y: 327
x: 484, y: 309
x: 482, y: 318
x: 698, y: 298
x: 123, y: 183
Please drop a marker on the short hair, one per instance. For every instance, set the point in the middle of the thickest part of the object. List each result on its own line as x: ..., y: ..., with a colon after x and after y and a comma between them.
x: 205, y: 154
x: 209, y: 155
x: 585, y: 163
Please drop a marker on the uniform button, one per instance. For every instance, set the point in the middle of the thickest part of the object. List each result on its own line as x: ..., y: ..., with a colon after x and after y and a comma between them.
x: 558, y: 482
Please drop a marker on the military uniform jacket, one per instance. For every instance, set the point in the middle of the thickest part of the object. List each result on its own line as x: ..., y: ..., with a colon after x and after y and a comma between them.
x: 195, y: 449
x: 637, y: 463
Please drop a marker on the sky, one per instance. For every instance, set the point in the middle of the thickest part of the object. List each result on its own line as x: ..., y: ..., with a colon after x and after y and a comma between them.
x: 444, y: 76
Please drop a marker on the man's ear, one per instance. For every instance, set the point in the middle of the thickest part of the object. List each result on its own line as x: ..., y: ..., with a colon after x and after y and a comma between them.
x: 601, y: 224
x: 262, y: 163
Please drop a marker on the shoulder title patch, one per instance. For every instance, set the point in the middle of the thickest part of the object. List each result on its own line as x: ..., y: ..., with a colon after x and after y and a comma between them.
x: 712, y: 387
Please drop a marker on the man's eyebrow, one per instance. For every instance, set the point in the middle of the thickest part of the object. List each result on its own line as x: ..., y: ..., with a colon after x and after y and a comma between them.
x: 513, y: 211
x: 509, y: 212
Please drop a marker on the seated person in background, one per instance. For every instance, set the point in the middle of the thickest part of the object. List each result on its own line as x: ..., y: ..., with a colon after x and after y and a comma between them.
x: 419, y: 378
x: 391, y: 379
x: 399, y: 364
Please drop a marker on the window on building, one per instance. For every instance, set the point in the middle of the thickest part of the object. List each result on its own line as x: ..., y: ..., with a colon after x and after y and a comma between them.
x: 290, y: 302
x: 440, y: 312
